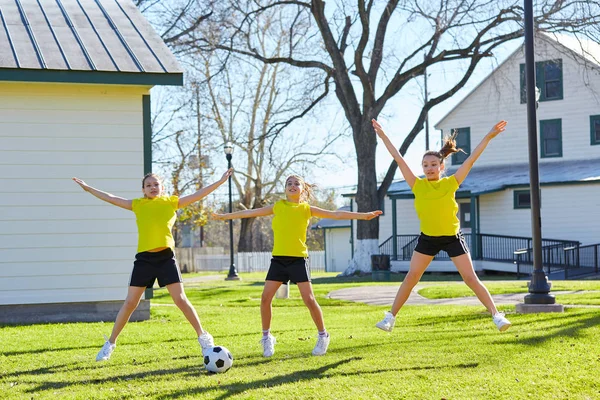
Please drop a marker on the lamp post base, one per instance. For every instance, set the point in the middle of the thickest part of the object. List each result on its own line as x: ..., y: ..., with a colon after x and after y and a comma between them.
x: 233, y: 278
x: 523, y: 308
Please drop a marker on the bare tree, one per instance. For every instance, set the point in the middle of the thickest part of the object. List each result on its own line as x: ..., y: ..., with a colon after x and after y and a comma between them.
x: 251, y: 103
x: 372, y: 50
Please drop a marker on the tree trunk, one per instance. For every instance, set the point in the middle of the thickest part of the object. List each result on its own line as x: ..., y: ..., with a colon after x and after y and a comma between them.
x: 367, y: 232
x: 245, y: 242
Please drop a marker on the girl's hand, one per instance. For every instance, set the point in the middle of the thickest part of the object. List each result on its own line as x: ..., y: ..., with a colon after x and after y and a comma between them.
x: 496, y: 129
x: 81, y: 183
x: 227, y: 174
x: 373, y: 214
x: 378, y: 129
x: 218, y: 217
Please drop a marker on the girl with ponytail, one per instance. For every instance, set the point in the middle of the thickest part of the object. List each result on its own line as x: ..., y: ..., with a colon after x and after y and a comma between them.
x: 440, y: 228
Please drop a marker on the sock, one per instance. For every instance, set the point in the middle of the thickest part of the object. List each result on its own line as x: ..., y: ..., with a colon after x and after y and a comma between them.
x: 324, y: 333
x: 266, y: 333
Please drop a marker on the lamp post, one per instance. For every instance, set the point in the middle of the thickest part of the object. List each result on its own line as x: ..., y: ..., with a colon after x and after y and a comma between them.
x: 232, y: 275
x: 539, y: 298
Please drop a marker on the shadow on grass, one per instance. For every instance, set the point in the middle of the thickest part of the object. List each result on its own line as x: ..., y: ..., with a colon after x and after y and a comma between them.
x: 306, y: 375
x: 95, y: 346
x: 565, y: 325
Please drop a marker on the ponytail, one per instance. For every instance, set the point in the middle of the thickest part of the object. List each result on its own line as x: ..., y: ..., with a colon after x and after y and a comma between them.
x: 448, y: 147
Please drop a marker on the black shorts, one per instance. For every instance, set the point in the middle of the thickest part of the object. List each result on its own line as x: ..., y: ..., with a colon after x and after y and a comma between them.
x: 453, y: 245
x: 148, y: 267
x: 284, y: 269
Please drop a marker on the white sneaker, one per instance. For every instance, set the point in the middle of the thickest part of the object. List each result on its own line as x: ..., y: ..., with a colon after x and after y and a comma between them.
x: 321, y: 346
x: 268, y: 344
x: 206, y: 341
x: 387, y: 323
x: 106, y: 350
x: 501, y: 322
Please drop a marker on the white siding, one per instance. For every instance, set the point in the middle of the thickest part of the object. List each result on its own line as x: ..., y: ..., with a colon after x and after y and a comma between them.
x: 565, y: 213
x: 407, y: 221
x: 337, y: 249
x: 58, y: 243
x: 498, y: 97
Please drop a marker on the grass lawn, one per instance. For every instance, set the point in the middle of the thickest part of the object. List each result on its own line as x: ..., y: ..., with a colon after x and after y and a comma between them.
x: 435, y: 352
x: 435, y: 291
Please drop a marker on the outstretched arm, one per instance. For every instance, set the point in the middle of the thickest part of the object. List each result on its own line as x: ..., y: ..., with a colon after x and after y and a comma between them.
x: 205, y: 191
x: 409, y: 177
x: 258, y: 212
x: 463, y: 170
x: 320, y: 213
x: 109, y: 198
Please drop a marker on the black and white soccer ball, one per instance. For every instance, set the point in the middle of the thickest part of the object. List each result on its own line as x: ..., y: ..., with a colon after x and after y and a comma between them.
x: 218, y: 359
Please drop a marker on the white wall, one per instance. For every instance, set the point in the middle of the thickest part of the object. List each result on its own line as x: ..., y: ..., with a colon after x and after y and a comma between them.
x: 498, y: 98
x: 58, y: 243
x: 569, y: 212
x: 338, y: 249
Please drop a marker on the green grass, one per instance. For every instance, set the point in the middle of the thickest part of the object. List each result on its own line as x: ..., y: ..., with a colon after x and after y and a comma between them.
x: 435, y: 352
x: 459, y: 289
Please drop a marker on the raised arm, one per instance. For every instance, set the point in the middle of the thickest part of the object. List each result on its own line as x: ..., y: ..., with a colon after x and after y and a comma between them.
x: 109, y: 198
x: 408, y: 175
x: 258, y: 212
x: 320, y: 213
x: 205, y: 191
x: 462, y: 172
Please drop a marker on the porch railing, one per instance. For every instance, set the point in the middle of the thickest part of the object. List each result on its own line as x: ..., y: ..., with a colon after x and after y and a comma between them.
x: 502, y: 248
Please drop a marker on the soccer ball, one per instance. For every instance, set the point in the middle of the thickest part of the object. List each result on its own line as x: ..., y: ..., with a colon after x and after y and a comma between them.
x: 218, y: 359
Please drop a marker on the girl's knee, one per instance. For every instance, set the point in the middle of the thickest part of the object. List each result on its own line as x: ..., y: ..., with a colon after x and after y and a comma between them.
x: 181, y: 301
x: 130, y: 304
x: 471, y: 280
x: 311, y: 302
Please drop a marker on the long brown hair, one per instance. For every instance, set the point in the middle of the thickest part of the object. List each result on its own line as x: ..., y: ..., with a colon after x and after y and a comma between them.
x: 448, y: 147
x: 308, y: 189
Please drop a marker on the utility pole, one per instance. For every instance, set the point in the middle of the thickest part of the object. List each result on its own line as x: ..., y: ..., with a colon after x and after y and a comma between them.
x: 426, y: 115
x: 200, y: 182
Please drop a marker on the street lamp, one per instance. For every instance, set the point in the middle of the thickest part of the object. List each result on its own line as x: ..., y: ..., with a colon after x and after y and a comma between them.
x: 539, y: 298
x: 232, y: 275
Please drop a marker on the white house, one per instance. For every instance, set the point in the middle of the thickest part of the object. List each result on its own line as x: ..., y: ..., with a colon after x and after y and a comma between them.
x: 494, y: 199
x: 337, y: 243
x: 75, y: 80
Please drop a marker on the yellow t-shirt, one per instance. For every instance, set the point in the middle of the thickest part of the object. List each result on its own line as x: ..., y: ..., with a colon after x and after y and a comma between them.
x: 436, y: 206
x: 155, y: 219
x: 289, y: 228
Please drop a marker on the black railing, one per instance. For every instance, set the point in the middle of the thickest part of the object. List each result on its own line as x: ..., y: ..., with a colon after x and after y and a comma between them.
x: 499, y: 248
x: 566, y: 256
x: 554, y: 256
x: 581, y: 260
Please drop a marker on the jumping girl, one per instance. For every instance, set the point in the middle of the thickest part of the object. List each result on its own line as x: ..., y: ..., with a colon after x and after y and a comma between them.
x: 290, y: 255
x: 155, y: 215
x: 440, y: 228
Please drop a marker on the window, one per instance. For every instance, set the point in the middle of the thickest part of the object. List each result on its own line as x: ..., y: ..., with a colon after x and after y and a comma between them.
x: 465, y: 215
x: 595, y: 129
x: 551, y: 138
x: 522, y: 199
x: 548, y: 78
x: 463, y: 141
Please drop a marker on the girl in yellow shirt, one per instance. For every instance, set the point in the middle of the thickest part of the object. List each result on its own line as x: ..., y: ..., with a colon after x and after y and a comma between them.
x: 290, y: 254
x: 155, y: 215
x: 440, y: 230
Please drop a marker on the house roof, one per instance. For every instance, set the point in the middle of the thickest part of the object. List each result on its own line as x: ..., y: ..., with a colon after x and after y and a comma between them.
x: 327, y: 223
x: 495, y: 178
x: 586, y: 49
x: 87, y: 41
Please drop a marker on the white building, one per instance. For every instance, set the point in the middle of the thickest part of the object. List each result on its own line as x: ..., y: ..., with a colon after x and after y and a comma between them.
x: 75, y: 80
x: 494, y: 199
x: 337, y: 243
